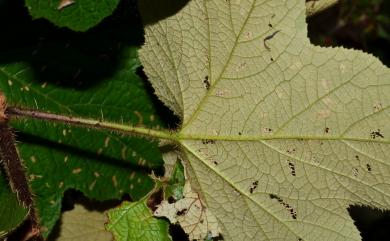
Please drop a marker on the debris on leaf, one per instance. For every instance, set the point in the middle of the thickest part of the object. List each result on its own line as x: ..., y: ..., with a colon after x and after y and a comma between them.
x: 192, y: 215
x: 65, y: 3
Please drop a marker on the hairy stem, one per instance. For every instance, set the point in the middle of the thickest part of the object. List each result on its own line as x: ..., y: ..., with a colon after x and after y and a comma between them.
x: 90, y: 123
x: 16, y: 173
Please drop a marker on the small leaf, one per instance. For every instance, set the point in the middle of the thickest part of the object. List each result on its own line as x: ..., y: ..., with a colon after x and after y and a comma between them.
x: 78, y: 15
x: 192, y: 215
x: 175, y: 186
x: 135, y: 222
x: 81, y: 224
x: 12, y: 213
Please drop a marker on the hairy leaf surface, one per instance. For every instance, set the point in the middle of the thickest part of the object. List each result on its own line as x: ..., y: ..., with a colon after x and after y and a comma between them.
x: 12, y: 214
x: 78, y: 15
x: 280, y: 136
x: 58, y: 157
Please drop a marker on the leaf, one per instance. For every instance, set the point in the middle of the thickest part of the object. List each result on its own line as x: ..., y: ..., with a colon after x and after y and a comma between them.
x: 175, y: 185
x: 278, y: 136
x: 78, y: 15
x: 58, y: 157
x: 191, y: 214
x: 317, y: 6
x: 12, y: 214
x: 134, y: 221
x: 83, y: 225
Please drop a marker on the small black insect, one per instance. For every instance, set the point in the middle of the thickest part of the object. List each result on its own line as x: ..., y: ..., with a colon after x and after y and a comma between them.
x: 208, y: 141
x: 206, y: 82
x: 376, y: 134
x: 326, y: 129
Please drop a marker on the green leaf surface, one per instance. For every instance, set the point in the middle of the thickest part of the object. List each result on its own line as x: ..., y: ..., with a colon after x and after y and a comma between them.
x: 278, y: 136
x: 135, y: 222
x: 101, y: 164
x: 11, y: 212
x: 78, y: 15
x: 175, y: 185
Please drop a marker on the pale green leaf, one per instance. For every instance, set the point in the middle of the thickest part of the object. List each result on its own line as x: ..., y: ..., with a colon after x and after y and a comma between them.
x: 317, y: 6
x: 135, y: 222
x: 279, y: 136
x: 81, y: 224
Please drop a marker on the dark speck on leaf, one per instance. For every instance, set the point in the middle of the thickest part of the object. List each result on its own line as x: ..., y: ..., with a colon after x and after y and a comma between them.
x: 181, y: 212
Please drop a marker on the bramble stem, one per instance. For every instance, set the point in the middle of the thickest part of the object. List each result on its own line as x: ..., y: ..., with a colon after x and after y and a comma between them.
x: 90, y: 123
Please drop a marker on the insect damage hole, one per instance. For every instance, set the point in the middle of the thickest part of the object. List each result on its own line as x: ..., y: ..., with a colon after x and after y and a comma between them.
x: 368, y: 167
x: 181, y: 212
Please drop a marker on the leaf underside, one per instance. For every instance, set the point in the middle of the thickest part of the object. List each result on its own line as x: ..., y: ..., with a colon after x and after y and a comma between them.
x: 279, y: 136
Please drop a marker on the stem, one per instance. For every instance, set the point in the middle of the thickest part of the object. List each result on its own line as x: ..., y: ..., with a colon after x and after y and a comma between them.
x: 97, y: 124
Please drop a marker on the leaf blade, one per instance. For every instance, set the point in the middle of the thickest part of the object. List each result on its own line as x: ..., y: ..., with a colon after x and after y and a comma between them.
x: 284, y: 130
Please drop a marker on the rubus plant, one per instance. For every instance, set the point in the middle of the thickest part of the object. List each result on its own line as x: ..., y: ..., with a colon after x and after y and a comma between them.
x: 276, y: 137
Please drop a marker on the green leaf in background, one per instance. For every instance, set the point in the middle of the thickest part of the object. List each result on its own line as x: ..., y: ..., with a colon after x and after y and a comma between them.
x: 11, y: 212
x: 135, y: 222
x: 82, y: 224
x: 78, y: 15
x: 175, y: 185
x: 100, y: 164
x: 89, y: 75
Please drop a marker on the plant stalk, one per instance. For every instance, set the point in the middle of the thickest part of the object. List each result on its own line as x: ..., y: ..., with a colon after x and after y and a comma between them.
x: 90, y: 123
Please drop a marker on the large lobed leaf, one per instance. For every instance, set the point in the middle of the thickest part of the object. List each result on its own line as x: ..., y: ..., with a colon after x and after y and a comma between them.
x: 58, y: 157
x: 279, y: 136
